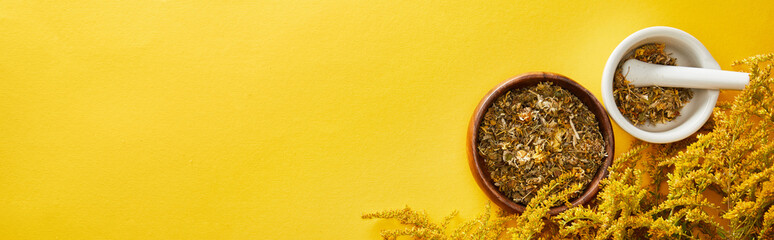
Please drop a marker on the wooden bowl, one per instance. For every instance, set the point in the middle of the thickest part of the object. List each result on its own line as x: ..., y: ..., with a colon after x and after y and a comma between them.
x: 476, y: 161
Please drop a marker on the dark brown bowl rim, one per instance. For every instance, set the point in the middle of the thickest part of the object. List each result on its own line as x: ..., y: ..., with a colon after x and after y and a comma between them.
x: 476, y: 162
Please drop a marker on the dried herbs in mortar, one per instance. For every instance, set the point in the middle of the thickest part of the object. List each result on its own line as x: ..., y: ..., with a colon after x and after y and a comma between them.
x: 649, y: 104
x: 532, y: 135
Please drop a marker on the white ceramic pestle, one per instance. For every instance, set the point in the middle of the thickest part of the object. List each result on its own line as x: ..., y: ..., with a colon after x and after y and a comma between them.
x: 642, y: 74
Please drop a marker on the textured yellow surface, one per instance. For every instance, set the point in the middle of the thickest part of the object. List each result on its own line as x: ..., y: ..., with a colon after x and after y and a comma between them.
x: 282, y: 119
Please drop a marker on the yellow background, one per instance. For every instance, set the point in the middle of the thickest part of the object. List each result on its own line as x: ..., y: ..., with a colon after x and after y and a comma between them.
x: 283, y: 119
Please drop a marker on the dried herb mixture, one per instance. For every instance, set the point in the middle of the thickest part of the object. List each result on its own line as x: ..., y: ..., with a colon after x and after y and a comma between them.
x: 532, y: 135
x: 649, y: 104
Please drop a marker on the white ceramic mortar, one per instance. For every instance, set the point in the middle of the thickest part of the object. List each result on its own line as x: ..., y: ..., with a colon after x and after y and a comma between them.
x: 690, y: 53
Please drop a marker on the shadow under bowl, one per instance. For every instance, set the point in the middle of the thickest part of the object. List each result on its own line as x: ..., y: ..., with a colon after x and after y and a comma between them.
x: 476, y: 161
